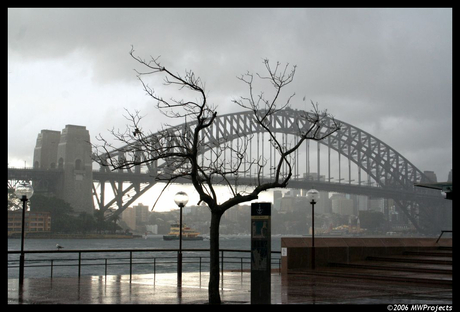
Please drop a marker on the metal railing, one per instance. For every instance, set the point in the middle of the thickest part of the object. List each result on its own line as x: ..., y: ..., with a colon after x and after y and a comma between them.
x: 442, y: 232
x: 196, y: 260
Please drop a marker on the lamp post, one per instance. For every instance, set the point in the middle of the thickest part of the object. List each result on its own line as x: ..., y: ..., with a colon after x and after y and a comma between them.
x: 313, y: 197
x: 181, y: 199
x: 24, y: 191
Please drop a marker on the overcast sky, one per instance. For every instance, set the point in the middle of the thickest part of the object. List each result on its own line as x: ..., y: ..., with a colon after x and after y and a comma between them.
x: 386, y: 71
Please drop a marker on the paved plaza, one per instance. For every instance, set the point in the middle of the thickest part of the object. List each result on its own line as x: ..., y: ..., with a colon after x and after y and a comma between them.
x: 235, y: 289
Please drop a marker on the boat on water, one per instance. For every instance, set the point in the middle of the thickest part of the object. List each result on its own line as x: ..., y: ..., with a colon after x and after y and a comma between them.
x: 187, y: 233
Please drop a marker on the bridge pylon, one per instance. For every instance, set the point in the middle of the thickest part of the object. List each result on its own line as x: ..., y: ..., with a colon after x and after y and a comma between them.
x: 68, y: 151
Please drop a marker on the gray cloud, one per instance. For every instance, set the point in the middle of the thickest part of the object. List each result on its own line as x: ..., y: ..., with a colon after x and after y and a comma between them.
x: 387, y: 71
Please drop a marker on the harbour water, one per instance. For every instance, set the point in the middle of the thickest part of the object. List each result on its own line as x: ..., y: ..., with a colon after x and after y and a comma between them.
x: 111, y: 263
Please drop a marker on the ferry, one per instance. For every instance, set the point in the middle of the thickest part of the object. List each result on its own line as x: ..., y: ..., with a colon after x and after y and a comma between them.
x: 187, y: 233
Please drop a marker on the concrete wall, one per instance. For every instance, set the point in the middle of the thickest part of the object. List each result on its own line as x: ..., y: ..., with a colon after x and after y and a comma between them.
x: 297, y: 250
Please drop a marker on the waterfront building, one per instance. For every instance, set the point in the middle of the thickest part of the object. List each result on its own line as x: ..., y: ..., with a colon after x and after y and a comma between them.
x: 36, y: 222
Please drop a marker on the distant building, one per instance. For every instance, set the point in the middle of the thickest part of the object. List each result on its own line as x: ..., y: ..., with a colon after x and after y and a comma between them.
x: 431, y: 177
x: 277, y: 195
x: 376, y: 204
x: 287, y: 204
x: 153, y: 229
x: 297, y: 201
x: 36, y: 222
x: 129, y: 217
x: 136, y: 216
x: 232, y: 214
x: 142, y: 214
x: 361, y: 202
x: 342, y: 205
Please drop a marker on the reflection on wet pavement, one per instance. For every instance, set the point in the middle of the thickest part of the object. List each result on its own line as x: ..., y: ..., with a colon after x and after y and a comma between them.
x: 162, y: 289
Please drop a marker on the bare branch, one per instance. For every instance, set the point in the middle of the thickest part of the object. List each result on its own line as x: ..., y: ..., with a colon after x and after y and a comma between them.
x: 181, y: 149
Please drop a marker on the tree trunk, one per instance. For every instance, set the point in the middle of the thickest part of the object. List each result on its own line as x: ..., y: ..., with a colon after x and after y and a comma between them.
x: 213, y: 288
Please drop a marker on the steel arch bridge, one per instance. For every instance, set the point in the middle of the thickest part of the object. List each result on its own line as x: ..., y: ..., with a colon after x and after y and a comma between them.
x: 374, y: 168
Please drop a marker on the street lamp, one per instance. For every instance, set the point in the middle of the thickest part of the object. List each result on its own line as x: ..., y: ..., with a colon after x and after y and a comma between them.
x: 181, y: 199
x: 313, y: 197
x: 24, y: 191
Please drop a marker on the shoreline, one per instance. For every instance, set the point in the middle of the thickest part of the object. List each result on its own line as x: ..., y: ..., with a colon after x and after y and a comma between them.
x: 72, y: 236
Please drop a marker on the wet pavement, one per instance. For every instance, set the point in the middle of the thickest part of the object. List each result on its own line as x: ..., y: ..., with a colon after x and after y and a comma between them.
x: 235, y: 289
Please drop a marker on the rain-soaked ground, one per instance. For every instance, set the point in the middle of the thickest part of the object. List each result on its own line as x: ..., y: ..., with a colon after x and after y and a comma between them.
x: 235, y: 289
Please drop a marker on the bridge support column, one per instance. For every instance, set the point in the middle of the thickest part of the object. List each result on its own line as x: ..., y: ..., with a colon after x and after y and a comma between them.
x: 75, y: 152
x: 69, y: 151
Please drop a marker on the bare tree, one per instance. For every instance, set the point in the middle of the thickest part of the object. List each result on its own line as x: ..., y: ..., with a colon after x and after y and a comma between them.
x: 180, y: 150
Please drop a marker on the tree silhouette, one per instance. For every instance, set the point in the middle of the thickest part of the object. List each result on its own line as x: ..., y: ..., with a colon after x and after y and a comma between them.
x: 181, y: 150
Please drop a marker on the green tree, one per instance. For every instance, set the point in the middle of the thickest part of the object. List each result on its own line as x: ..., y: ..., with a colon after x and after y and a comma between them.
x: 62, y: 218
x: 86, y: 223
x: 13, y: 201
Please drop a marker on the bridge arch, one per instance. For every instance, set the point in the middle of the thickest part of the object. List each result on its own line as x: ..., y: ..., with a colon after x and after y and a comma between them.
x: 384, y: 164
x: 387, y: 167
